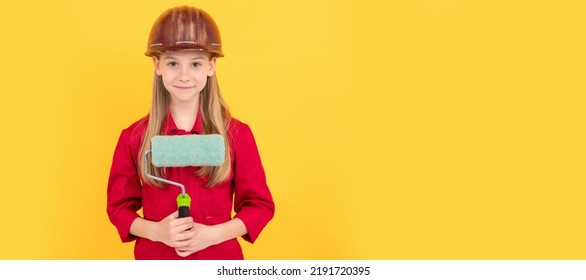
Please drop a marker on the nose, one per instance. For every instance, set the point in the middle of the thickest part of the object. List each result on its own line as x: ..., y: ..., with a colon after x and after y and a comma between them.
x: 184, y: 75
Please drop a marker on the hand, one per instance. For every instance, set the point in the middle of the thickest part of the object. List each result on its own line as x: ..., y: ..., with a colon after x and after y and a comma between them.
x: 203, y: 236
x: 172, y: 230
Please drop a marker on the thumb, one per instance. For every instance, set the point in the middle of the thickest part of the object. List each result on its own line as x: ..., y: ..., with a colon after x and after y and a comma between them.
x: 173, y: 215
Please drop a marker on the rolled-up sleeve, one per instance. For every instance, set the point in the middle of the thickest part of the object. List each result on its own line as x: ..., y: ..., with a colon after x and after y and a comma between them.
x: 253, y: 203
x: 124, y: 189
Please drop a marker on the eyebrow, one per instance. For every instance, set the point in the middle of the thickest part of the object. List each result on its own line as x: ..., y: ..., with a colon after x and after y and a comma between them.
x: 194, y: 58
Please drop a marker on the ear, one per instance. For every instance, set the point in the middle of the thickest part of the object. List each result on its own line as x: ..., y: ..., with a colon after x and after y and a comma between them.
x: 212, y: 67
x: 156, y: 64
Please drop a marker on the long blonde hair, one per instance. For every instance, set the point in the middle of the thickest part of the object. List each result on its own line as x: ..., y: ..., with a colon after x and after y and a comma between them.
x: 216, y: 118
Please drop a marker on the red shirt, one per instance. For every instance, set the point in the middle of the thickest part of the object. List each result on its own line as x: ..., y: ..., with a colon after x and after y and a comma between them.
x: 246, y: 189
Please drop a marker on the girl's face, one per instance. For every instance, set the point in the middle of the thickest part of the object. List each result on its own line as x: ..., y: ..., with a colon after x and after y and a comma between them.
x: 185, y: 73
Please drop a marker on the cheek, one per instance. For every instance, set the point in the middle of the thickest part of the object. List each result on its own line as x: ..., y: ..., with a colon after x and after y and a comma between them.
x: 202, y: 80
x: 168, y: 76
x: 167, y: 81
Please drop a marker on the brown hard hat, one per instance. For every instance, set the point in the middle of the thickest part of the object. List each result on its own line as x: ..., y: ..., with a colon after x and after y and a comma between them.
x: 183, y: 28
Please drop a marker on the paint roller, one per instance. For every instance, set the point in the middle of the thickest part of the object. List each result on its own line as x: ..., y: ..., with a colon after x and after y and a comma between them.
x: 184, y: 150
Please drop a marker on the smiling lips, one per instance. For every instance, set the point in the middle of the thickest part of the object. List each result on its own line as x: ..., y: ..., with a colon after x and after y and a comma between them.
x: 184, y: 88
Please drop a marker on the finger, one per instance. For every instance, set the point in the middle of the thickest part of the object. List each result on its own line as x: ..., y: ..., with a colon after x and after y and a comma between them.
x: 183, y: 245
x: 184, y: 227
x: 181, y: 222
x: 183, y: 249
x: 190, y: 248
x: 183, y: 236
x: 182, y: 253
x: 185, y: 220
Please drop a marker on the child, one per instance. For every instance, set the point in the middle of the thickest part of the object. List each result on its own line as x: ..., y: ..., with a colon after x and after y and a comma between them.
x: 185, y: 43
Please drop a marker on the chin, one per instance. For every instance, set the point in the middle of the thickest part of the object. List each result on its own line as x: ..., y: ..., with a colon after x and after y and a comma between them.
x: 184, y: 97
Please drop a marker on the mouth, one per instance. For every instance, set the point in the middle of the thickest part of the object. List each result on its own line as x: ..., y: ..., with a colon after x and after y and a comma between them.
x: 183, y: 88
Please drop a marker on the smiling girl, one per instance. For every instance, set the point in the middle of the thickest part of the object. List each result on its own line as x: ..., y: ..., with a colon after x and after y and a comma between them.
x: 184, y: 44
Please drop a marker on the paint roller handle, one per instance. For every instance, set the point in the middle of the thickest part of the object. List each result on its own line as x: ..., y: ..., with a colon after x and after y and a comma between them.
x: 183, y: 211
x: 183, y: 203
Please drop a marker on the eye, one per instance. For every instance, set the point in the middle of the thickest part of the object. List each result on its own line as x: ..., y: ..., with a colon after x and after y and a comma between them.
x: 172, y: 63
x: 196, y: 64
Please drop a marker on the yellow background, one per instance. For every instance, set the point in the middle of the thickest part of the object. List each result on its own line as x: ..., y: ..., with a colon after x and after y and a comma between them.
x: 425, y: 129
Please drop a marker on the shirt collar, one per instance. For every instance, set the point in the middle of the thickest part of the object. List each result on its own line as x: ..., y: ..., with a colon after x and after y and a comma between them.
x: 170, y: 128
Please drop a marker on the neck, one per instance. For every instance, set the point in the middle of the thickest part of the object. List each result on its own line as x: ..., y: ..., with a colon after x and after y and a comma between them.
x: 184, y: 113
